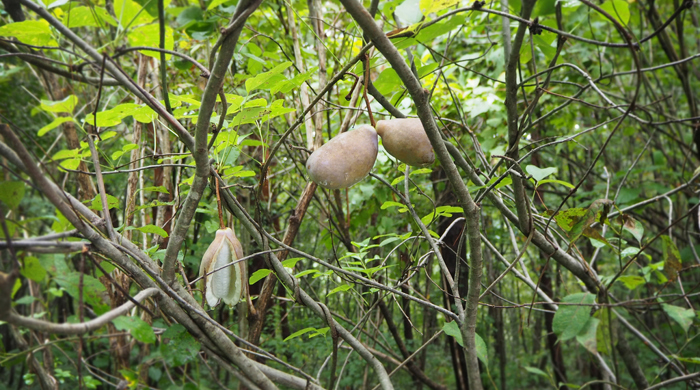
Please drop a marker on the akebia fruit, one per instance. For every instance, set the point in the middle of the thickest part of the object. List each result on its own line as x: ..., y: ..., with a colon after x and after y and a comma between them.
x: 406, y: 140
x: 344, y: 160
x: 227, y: 283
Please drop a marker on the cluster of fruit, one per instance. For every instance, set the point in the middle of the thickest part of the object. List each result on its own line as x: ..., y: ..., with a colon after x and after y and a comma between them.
x: 347, y: 158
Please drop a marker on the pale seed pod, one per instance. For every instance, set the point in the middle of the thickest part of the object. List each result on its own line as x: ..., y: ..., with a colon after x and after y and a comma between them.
x: 227, y: 283
x: 405, y: 139
x: 344, y: 160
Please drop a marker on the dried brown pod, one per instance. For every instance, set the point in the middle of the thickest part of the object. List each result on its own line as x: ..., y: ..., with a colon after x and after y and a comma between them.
x: 344, y: 160
x: 406, y: 140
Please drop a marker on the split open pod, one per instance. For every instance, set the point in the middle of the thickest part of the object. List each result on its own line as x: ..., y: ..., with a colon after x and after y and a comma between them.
x: 227, y: 283
x: 344, y: 160
x: 406, y: 140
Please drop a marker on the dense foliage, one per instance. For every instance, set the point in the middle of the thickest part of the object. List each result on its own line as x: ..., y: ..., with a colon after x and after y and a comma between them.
x: 550, y: 245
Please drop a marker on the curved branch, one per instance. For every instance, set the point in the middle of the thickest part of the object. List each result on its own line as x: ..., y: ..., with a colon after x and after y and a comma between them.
x: 80, y: 328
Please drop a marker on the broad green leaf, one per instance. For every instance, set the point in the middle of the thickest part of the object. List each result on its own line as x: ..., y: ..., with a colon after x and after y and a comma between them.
x: 92, y: 288
x: 294, y: 83
x: 603, y: 335
x: 138, y: 328
x: 259, y: 80
x: 160, y: 189
x: 149, y: 35
x: 344, y: 287
x: 151, y: 229
x: 64, y: 106
x: 443, y: 27
x: 32, y: 269
x: 569, y: 320
x: 129, y: 13
x: 587, y: 335
x: 11, y: 193
x: 631, y: 281
x: 180, y: 347
x: 291, y: 263
x: 452, y: 329
x: 629, y: 252
x: 545, y: 181
x: 684, y: 317
x: 32, y: 32
x: 539, y: 173
x: 618, y: 9
x: 567, y: 218
x: 215, y: 3
x: 430, y: 6
x: 258, y: 275
x: 276, y: 109
x: 306, y: 272
x: 388, y: 82
x: 112, y: 203
x: 54, y: 124
x: 633, y: 226
x: 88, y: 17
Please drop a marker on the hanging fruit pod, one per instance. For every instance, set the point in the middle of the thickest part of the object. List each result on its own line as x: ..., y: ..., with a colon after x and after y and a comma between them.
x: 344, y: 160
x: 226, y: 284
x: 405, y: 139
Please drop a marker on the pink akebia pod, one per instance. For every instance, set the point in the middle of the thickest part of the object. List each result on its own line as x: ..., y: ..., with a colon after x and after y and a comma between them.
x: 227, y: 283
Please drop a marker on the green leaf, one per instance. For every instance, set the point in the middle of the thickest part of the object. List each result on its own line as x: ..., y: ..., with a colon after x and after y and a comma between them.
x: 150, y: 229
x: 294, y: 83
x: 603, y: 334
x: 276, y: 109
x: 32, y: 269
x: 539, y: 173
x: 54, y: 124
x: 567, y: 218
x: 33, y: 32
x: 691, y: 360
x: 180, y: 347
x: 344, y: 287
x: 299, y: 333
x: 570, y: 320
x: 536, y: 371
x: 388, y: 82
x: 11, y: 193
x: 290, y: 263
x: 306, y: 272
x: 259, y: 275
x: 452, y: 329
x: 130, y: 13
x: 138, y: 328
x: 64, y: 106
x: 88, y: 17
x: 112, y: 203
x: 631, y: 281
x: 684, y: 317
x: 260, y: 80
x: 587, y: 335
x: 389, y: 204
x: 633, y: 226
x: 430, y: 6
x: 565, y: 184
x: 160, y: 189
x: 92, y: 287
x: 618, y: 9
x: 149, y: 35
